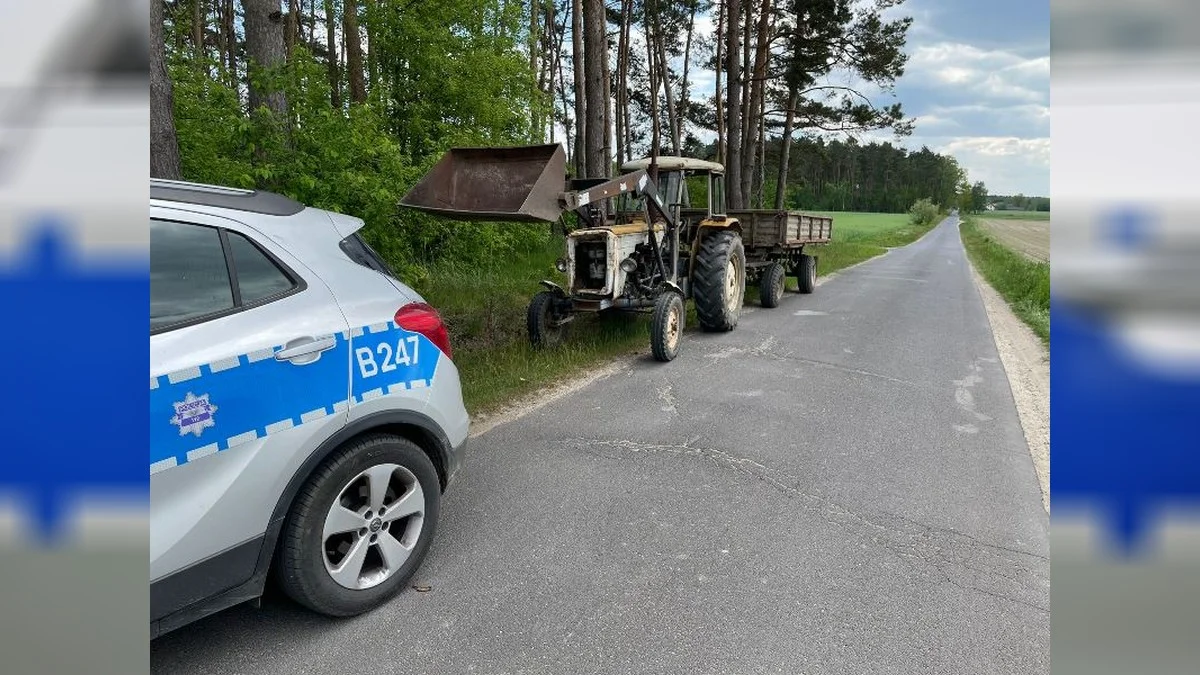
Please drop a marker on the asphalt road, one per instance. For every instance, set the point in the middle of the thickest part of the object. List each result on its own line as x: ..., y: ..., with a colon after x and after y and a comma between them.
x: 840, y: 485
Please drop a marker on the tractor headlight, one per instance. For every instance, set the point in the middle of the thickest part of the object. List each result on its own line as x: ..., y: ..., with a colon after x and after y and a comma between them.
x: 561, y: 265
x: 628, y: 265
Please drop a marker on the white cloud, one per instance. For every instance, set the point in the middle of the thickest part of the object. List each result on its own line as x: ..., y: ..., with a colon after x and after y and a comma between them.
x: 1007, y: 165
x: 1037, y: 149
x: 993, y: 73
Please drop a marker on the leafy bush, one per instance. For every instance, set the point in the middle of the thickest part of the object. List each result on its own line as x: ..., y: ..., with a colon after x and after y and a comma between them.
x: 924, y: 212
x: 347, y: 161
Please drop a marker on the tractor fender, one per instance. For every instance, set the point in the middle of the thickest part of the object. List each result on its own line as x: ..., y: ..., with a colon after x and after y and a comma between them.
x: 555, y: 288
x: 707, y: 227
x: 674, y: 288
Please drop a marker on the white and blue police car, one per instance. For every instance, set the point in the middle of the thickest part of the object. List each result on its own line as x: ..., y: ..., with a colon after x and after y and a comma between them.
x: 305, y: 414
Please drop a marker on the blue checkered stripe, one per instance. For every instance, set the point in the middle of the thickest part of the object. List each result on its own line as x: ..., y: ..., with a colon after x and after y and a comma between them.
x: 206, y: 409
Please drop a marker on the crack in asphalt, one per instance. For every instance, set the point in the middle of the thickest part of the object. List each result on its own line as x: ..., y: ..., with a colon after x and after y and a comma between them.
x: 937, y: 547
x: 667, y: 396
x: 764, y: 350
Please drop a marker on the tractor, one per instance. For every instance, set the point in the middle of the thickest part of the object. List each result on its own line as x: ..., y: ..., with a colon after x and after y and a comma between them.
x: 635, y: 247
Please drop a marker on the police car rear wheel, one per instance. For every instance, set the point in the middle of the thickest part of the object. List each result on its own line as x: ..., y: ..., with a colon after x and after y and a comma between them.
x: 360, y: 527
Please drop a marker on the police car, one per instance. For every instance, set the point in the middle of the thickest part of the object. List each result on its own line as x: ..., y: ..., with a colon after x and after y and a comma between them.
x: 305, y: 414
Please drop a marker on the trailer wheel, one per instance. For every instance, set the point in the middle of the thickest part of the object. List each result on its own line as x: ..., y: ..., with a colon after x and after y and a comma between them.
x: 806, y: 273
x: 666, y: 329
x: 543, y: 321
x: 719, y: 280
x: 770, y: 285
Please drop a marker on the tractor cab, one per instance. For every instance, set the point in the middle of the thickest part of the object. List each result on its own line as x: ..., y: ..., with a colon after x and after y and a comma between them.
x: 692, y: 189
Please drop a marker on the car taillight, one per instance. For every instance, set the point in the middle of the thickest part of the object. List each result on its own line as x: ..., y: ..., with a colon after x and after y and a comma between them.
x: 419, y: 317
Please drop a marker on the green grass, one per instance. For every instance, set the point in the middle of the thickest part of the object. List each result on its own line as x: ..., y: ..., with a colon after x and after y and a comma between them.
x: 1015, y: 215
x: 485, y: 312
x: 1023, y: 283
x: 861, y: 236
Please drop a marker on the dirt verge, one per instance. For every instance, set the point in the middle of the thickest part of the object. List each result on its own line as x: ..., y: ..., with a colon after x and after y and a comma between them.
x: 1027, y: 363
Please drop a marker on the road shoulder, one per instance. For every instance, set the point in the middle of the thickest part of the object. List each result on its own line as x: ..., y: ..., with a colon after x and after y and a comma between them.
x: 1027, y: 364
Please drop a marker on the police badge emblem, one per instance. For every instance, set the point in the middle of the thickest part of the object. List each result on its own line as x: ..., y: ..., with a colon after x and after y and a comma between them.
x: 194, y: 414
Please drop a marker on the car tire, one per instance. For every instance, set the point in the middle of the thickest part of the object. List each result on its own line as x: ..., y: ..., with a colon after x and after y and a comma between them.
x: 318, y: 554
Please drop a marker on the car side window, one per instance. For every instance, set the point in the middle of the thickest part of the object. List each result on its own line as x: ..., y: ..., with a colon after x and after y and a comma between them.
x: 258, y: 277
x: 188, y: 274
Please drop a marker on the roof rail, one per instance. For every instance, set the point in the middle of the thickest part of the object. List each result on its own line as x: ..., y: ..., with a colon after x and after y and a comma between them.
x: 253, y: 201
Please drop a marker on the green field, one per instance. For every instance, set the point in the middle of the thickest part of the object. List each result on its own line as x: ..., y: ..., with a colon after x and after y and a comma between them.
x: 1023, y: 283
x: 861, y: 236
x: 1015, y: 215
x: 485, y: 312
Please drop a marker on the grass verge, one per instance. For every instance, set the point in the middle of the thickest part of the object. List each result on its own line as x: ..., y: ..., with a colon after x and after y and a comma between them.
x: 1023, y: 283
x: 1015, y: 215
x: 862, y: 236
x: 485, y: 312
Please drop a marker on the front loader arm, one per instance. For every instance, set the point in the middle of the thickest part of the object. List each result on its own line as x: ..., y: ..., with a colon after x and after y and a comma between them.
x: 637, y: 182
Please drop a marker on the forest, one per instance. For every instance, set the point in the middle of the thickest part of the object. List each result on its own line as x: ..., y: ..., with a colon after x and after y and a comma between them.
x: 343, y: 104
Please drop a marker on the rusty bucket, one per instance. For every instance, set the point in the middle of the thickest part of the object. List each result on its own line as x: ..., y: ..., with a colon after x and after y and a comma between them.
x: 520, y: 183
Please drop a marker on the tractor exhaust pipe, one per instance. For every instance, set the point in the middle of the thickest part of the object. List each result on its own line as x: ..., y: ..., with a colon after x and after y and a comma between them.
x: 519, y: 184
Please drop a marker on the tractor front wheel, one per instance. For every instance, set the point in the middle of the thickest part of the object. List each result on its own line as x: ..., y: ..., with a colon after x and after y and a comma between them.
x: 666, y: 328
x: 545, y: 323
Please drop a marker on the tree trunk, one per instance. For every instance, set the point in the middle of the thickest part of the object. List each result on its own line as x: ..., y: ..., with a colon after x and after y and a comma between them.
x: 733, y: 121
x: 568, y: 122
x: 760, y: 171
x: 580, y: 90
x: 665, y: 75
x: 654, y: 75
x: 312, y: 24
x: 535, y: 121
x: 622, y: 67
x: 719, y: 68
x: 198, y: 16
x: 687, y: 57
x: 222, y: 50
x: 606, y: 97
x: 354, y: 52
x: 372, y: 15
x: 164, y: 144
x: 754, y: 108
x: 335, y: 77
x: 595, y: 52
x: 747, y: 36
x: 292, y: 29
x: 265, y: 48
x: 231, y: 43
x: 786, y: 148
x: 623, y: 95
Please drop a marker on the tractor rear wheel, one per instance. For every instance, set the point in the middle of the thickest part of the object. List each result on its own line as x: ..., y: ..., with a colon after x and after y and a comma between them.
x: 806, y: 274
x: 666, y: 328
x: 719, y: 280
x: 544, y: 322
x: 770, y: 285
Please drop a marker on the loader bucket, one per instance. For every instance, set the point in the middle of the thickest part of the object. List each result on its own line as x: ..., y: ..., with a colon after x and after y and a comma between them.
x: 514, y: 184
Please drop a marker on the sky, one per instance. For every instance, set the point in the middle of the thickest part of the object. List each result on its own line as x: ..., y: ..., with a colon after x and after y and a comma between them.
x: 978, y: 84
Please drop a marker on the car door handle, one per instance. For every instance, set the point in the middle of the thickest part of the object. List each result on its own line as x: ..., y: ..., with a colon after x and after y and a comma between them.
x: 309, y: 347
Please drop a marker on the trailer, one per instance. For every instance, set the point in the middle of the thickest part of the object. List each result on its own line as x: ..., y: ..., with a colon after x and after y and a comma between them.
x: 775, y: 243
